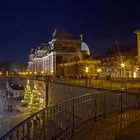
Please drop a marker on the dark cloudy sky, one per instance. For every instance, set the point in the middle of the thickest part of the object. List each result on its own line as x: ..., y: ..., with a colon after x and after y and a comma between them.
x: 26, y: 23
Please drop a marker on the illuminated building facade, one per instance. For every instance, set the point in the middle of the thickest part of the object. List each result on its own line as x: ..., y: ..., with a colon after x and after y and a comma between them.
x: 78, y: 69
x: 120, y: 64
x: 138, y: 44
x: 137, y: 32
x: 61, y: 49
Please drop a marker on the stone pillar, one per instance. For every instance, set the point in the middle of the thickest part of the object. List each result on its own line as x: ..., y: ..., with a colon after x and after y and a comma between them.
x: 137, y: 32
x: 138, y: 44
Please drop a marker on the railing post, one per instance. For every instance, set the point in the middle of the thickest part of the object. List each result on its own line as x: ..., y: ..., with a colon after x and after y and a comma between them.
x: 95, y: 107
x: 138, y: 102
x: 121, y: 102
x: 11, y: 137
x: 28, y: 130
x: 17, y: 135
x: 73, y: 120
x: 105, y: 104
x: 44, y: 123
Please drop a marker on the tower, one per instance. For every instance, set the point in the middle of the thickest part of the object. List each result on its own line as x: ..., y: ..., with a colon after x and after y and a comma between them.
x: 137, y: 32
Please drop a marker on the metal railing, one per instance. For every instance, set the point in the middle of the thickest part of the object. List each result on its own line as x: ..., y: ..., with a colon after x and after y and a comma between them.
x: 64, y: 119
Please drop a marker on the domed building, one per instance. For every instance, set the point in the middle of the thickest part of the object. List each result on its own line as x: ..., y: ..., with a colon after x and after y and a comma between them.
x: 62, y: 49
x: 85, y: 48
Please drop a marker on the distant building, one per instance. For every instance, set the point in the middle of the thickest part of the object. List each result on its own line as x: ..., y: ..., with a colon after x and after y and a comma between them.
x: 78, y: 69
x: 63, y: 48
x: 137, y: 32
x: 111, y: 63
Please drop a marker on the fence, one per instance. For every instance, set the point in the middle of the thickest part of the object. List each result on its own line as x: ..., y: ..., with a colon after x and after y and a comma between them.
x: 66, y: 118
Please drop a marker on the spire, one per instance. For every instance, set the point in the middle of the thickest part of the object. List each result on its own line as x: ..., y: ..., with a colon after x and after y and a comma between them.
x: 81, y: 37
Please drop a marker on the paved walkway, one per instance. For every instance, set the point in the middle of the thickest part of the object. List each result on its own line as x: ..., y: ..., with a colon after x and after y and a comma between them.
x: 108, y: 84
x: 11, y: 118
x: 114, y: 127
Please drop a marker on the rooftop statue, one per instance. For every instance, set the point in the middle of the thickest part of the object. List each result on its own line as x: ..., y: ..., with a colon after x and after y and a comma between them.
x: 54, y: 33
x: 81, y: 37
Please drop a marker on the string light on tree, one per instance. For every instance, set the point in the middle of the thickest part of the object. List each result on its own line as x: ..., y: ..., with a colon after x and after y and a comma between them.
x: 27, y: 95
x: 34, y: 105
x: 37, y: 103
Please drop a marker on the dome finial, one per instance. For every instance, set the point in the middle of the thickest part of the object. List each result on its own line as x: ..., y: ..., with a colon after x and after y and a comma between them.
x: 81, y: 37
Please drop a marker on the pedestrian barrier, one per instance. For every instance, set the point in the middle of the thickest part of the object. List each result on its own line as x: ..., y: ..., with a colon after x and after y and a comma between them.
x: 64, y: 119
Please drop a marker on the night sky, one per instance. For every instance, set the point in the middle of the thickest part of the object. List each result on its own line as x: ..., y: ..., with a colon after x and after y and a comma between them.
x: 26, y: 23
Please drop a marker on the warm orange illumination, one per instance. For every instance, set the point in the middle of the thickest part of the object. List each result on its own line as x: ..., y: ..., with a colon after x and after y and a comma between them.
x: 122, y: 65
x: 87, y: 69
x: 98, y: 70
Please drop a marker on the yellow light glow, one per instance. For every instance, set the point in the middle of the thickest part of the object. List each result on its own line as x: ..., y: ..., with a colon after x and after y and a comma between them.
x: 42, y: 72
x: 134, y: 75
x: 35, y: 72
x: 87, y: 69
x: 122, y: 65
x: 0, y: 73
x: 98, y: 70
x: 30, y: 72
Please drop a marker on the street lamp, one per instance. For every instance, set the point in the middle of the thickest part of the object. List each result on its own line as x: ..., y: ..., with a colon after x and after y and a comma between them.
x: 42, y: 72
x: 87, y: 69
x: 122, y: 74
x: 98, y: 70
x: 122, y: 65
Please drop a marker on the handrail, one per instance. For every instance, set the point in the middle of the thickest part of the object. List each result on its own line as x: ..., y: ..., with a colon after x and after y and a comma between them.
x: 65, y: 118
x: 28, y: 119
x: 22, y: 122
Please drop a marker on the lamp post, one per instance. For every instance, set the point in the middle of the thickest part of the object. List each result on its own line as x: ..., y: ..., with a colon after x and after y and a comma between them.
x: 122, y: 73
x: 35, y: 73
x: 99, y: 71
x: 87, y: 69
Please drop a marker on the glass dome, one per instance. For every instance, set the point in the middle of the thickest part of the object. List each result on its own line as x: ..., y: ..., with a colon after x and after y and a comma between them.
x: 84, y: 47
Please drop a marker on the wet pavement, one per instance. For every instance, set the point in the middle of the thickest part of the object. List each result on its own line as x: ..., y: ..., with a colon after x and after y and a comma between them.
x: 124, y: 126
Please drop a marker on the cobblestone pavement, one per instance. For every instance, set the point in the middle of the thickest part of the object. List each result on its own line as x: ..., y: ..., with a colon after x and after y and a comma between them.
x: 125, y: 126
